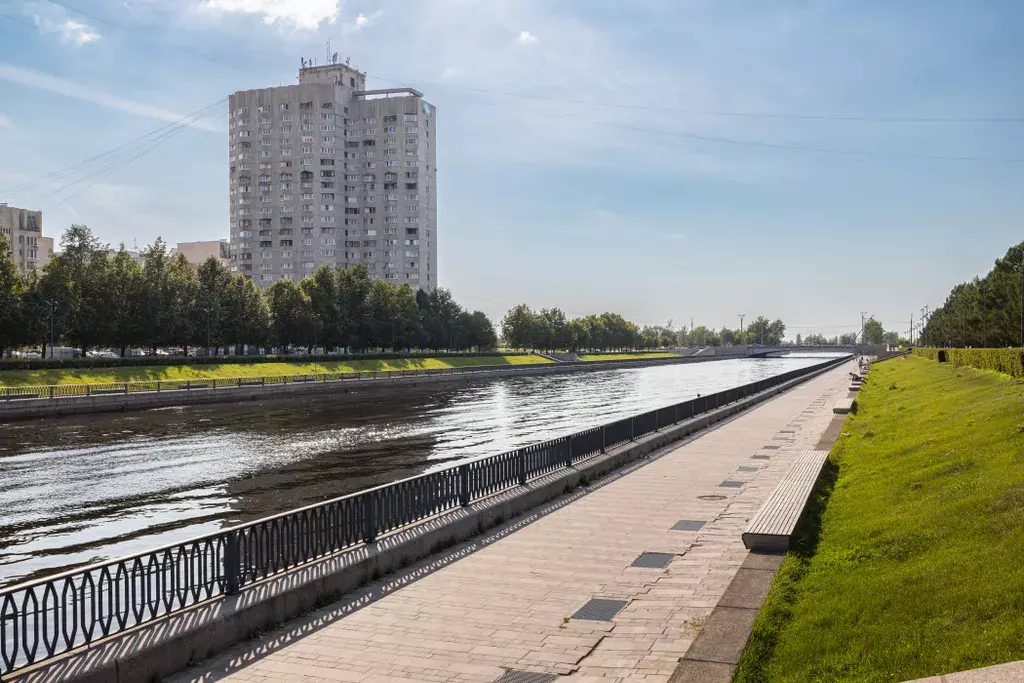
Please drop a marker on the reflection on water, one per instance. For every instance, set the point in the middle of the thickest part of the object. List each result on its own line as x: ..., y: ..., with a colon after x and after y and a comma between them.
x: 82, y: 489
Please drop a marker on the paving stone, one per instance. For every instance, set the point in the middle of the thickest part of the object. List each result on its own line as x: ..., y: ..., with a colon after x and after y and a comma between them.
x: 688, y: 525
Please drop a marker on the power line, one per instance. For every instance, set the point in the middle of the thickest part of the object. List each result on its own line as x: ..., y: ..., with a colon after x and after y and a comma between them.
x: 714, y: 112
x: 116, y: 156
x: 620, y: 105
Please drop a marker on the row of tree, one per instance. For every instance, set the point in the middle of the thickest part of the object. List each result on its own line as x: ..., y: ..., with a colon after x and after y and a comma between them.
x: 984, y: 312
x: 550, y: 328
x: 86, y: 298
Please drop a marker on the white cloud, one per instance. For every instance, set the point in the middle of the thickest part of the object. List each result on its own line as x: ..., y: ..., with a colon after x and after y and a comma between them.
x: 6, y: 122
x: 452, y: 72
x: 526, y: 38
x: 303, y: 14
x: 53, y: 20
x: 87, y: 93
x: 361, y: 22
x: 77, y: 33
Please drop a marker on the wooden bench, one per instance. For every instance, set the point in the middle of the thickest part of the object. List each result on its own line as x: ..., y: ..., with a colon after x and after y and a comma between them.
x: 771, y: 529
x: 843, y: 406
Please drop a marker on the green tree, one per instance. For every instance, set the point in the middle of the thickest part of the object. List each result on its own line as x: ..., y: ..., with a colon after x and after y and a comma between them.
x: 873, y: 332
x: 157, y: 324
x: 291, y: 315
x: 210, y: 325
x: 76, y: 281
x: 247, y: 314
x: 181, y: 288
x: 353, y: 289
x: 517, y: 327
x: 126, y: 300
x: 322, y: 289
x: 11, y: 290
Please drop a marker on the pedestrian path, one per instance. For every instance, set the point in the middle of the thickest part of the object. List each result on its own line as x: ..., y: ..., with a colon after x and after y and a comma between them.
x: 505, y: 602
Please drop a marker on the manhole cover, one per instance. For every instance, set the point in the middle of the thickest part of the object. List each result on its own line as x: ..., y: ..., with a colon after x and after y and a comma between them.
x: 744, y: 468
x: 598, y: 609
x: 653, y: 560
x: 517, y: 676
x: 727, y: 484
x: 711, y: 497
x: 688, y: 525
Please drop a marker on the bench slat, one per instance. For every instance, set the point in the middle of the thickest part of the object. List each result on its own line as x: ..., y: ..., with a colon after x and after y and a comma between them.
x: 772, y: 527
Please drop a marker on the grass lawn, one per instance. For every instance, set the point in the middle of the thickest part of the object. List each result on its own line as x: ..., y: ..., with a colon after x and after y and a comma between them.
x: 629, y: 356
x: 918, y: 567
x: 227, y: 370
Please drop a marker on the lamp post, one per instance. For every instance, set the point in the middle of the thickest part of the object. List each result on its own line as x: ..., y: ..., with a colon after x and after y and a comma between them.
x: 53, y: 306
x: 741, y: 315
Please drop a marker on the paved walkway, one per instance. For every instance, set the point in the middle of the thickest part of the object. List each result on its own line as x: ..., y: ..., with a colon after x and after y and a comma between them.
x: 507, y: 602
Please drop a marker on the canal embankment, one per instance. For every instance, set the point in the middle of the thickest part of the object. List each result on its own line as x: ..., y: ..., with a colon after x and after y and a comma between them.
x: 21, y: 402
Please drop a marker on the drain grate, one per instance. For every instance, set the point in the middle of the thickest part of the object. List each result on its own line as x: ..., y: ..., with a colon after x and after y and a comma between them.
x: 653, y: 560
x: 770, y: 447
x: 599, y: 609
x: 727, y: 484
x: 517, y: 676
x: 688, y: 525
x: 711, y: 497
x: 744, y: 468
x: 761, y: 457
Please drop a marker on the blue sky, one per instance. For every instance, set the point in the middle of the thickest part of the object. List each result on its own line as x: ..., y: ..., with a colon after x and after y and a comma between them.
x: 547, y: 195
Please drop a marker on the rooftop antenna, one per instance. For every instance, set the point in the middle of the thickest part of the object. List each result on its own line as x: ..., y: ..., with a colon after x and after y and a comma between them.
x: 347, y: 60
x: 334, y: 58
x: 327, y: 52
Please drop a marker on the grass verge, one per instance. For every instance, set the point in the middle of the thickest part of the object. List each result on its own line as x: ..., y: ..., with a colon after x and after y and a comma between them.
x: 629, y: 356
x: 228, y: 370
x: 914, y: 565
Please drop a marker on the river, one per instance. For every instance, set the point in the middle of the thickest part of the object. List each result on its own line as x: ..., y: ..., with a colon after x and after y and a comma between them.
x: 86, y: 488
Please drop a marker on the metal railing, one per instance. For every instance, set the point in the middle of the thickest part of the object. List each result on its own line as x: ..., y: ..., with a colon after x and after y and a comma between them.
x: 47, y: 617
x: 49, y: 391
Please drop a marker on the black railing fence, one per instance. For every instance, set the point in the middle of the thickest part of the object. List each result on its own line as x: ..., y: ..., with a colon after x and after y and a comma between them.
x: 47, y: 617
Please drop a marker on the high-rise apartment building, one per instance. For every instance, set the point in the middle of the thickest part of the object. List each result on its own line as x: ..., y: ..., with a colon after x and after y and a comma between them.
x: 24, y: 231
x: 326, y: 171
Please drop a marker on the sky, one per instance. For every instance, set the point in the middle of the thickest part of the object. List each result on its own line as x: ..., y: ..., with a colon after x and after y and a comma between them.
x: 665, y: 159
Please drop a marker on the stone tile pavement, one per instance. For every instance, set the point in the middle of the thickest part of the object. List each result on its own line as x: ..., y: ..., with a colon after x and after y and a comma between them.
x: 507, y: 602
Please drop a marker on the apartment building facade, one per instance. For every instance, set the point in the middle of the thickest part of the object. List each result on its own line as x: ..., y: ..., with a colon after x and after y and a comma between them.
x: 24, y: 231
x: 326, y: 171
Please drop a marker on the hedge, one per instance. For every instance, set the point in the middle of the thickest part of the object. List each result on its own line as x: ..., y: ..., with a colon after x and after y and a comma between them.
x: 1007, y: 361
x: 137, y: 361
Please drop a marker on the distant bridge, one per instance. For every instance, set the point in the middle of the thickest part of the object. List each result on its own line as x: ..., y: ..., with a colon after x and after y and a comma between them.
x: 757, y: 351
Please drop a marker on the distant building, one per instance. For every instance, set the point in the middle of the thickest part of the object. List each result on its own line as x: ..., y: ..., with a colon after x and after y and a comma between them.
x: 198, y: 252
x: 195, y: 252
x: 328, y: 172
x: 24, y: 230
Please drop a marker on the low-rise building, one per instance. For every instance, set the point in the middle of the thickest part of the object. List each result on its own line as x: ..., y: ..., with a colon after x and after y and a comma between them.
x: 24, y: 230
x: 197, y: 252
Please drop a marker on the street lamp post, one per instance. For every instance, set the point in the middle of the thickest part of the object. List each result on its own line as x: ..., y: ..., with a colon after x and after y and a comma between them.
x: 53, y: 305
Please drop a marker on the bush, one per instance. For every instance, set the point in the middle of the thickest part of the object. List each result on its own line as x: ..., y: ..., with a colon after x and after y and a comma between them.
x: 161, y: 361
x: 1007, y: 361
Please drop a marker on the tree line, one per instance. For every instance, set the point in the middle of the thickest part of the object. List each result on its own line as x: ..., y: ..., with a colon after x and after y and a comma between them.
x: 549, y: 328
x: 87, y: 299
x: 984, y: 312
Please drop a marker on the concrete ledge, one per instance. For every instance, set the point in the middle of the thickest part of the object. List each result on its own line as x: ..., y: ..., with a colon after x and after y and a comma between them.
x: 163, y: 647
